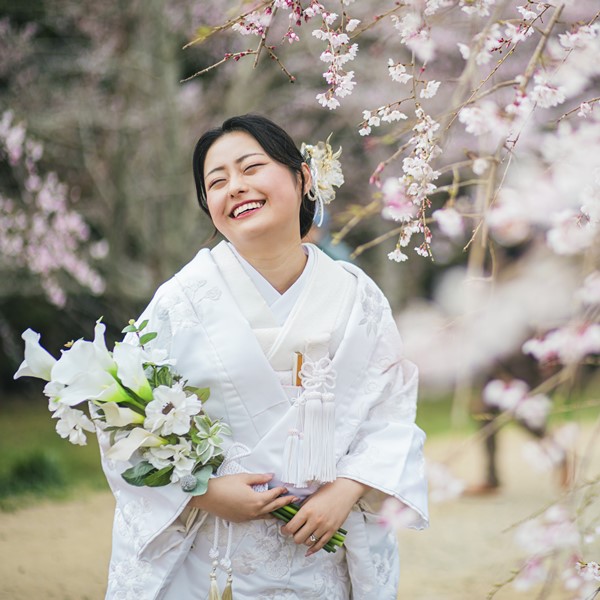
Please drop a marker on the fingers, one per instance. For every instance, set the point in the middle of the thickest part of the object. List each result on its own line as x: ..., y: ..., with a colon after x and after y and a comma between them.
x: 257, y: 478
x: 279, y: 502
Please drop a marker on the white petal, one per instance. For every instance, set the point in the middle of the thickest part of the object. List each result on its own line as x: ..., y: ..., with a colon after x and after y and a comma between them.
x: 138, y: 438
x: 38, y: 361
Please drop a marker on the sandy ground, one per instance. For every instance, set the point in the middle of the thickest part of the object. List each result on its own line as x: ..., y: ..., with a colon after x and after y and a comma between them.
x: 61, y: 550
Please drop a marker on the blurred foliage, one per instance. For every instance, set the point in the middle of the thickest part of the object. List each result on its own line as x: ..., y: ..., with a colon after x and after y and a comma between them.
x: 36, y: 462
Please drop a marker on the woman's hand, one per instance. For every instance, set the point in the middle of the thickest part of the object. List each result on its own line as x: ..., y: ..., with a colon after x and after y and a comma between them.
x: 232, y: 498
x: 324, y: 512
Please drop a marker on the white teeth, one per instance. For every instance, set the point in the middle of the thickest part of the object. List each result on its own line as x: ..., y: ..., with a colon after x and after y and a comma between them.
x: 244, y: 207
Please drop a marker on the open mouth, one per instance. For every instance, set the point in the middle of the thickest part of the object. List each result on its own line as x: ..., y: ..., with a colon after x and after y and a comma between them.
x: 246, y: 208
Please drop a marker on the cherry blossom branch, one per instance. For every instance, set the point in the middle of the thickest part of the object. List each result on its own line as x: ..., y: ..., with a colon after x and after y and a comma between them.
x: 381, y: 238
x: 218, y: 28
x: 592, y: 101
x: 235, y: 56
x: 371, y: 209
x: 531, y: 66
x: 263, y: 39
x: 281, y: 65
x: 376, y: 20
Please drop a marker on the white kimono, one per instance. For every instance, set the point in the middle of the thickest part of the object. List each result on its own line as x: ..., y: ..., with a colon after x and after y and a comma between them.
x: 212, y: 319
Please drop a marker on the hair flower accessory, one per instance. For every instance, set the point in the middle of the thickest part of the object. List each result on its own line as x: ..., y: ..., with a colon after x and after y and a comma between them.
x: 326, y: 172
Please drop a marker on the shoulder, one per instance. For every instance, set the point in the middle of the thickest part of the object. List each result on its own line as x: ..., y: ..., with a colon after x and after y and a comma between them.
x: 173, y: 290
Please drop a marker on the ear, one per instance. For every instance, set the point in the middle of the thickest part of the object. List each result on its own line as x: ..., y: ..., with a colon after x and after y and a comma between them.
x: 307, y: 178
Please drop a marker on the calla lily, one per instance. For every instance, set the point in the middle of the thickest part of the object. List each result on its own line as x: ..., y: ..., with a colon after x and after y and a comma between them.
x: 38, y: 361
x: 138, y: 438
x: 84, y: 358
x: 130, y: 369
x: 119, y: 416
x: 98, y: 385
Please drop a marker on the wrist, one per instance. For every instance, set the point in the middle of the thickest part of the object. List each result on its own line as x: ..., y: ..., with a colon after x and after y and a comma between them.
x: 352, y: 488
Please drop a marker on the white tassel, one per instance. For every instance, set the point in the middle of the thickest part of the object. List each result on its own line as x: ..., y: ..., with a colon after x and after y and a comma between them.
x: 290, y: 458
x: 313, y: 434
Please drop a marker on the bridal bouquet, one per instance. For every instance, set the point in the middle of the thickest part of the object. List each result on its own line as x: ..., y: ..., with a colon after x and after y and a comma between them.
x: 133, y: 393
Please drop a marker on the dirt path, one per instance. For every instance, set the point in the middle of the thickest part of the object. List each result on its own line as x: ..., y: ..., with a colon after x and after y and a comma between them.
x: 61, y: 550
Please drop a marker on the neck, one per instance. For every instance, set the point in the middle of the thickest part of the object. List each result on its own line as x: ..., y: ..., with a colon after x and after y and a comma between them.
x: 280, y: 266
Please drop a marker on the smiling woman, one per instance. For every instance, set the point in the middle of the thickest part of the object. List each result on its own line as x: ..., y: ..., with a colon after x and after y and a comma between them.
x: 302, y: 358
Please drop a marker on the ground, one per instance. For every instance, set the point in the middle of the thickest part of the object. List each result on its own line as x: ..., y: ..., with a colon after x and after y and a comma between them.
x: 60, y: 550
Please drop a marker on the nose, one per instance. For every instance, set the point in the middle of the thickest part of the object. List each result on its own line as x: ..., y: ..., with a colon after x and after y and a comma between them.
x: 237, y: 184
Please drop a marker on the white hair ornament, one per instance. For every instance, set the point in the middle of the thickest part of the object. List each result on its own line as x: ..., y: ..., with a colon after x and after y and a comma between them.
x: 326, y: 172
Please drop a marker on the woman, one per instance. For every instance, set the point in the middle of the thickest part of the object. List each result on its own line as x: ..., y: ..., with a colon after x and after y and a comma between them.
x: 336, y: 433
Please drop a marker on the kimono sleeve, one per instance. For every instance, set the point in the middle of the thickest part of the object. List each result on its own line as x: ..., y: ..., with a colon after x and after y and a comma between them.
x: 386, y: 452
x: 146, y: 518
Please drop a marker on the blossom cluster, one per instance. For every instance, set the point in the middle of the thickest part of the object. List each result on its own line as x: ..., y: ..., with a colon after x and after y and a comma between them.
x: 552, y: 541
x: 39, y: 230
x: 514, y: 397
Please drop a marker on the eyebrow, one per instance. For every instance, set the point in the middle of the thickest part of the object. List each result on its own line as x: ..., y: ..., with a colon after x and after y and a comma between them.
x: 237, y: 162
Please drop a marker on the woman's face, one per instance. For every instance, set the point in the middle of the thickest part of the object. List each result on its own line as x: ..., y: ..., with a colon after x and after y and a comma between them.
x: 252, y: 198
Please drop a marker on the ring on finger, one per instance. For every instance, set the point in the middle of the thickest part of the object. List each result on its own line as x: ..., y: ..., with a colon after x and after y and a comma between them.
x: 313, y: 538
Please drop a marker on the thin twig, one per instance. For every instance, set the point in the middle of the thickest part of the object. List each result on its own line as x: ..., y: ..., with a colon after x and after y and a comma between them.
x: 367, y: 211
x: 376, y: 20
x: 381, y: 238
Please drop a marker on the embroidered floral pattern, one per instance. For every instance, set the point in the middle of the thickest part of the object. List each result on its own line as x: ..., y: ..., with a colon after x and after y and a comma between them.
x: 131, y: 520
x: 372, y: 305
x: 128, y: 578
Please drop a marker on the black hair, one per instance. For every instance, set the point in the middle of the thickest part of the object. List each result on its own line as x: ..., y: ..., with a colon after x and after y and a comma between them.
x: 273, y: 140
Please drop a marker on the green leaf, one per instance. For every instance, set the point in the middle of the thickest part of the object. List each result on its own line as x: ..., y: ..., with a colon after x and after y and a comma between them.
x: 143, y: 324
x: 202, y: 477
x: 136, y: 475
x: 160, y: 477
x: 129, y: 329
x: 202, y: 393
x: 148, y: 337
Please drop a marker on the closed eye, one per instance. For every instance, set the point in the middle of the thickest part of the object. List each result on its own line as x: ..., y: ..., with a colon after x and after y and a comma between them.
x: 253, y: 166
x: 215, y: 182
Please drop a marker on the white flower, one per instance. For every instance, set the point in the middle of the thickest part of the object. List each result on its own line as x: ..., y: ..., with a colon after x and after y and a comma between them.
x: 98, y: 386
x: 554, y: 530
x: 138, y: 438
x: 397, y: 255
x: 171, y: 411
x: 569, y: 344
x: 130, y: 369
x: 527, y: 14
x: 480, y: 166
x: 545, y: 94
x: 430, y: 90
x: 465, y: 51
x: 352, y: 24
x: 177, y: 455
x: 534, y: 410
x: 398, y: 206
x: 38, y: 361
x: 585, y: 110
x: 505, y: 395
x: 328, y: 101
x: 84, y: 358
x: 589, y: 571
x: 118, y: 416
x: 71, y: 423
x: 450, y: 222
x: 480, y: 8
x: 398, y: 72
